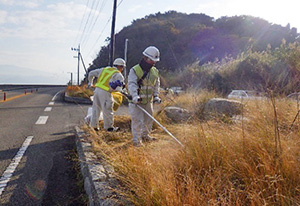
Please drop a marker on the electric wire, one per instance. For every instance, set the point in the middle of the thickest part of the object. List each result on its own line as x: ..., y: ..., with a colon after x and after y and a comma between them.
x: 86, y: 6
x: 88, y: 30
x: 86, y: 23
x: 96, y: 42
x: 89, y: 27
x: 92, y: 25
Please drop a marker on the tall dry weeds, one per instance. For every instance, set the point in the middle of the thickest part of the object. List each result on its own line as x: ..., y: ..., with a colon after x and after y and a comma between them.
x: 79, y: 91
x: 221, y: 163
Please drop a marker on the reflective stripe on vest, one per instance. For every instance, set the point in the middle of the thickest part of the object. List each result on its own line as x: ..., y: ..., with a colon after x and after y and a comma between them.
x: 103, y: 80
x: 147, y: 88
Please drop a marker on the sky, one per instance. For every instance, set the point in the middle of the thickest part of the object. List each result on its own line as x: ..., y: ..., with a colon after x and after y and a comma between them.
x: 36, y: 36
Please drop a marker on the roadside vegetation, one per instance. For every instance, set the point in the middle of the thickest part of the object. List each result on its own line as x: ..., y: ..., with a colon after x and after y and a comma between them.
x: 79, y: 91
x: 270, y: 70
x: 274, y: 70
x: 250, y: 160
x: 254, y: 160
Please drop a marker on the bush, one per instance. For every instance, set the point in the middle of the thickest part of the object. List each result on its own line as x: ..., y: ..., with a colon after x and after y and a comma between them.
x: 276, y: 70
x: 79, y: 91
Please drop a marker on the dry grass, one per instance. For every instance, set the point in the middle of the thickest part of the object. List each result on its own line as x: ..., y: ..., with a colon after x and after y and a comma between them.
x: 79, y: 91
x: 220, y: 164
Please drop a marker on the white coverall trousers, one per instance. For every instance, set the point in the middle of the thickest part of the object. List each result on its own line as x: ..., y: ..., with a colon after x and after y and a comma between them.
x: 102, y: 102
x: 141, y: 123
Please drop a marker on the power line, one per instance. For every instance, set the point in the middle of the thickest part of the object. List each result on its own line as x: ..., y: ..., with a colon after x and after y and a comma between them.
x: 100, y: 35
x: 86, y: 6
x: 82, y: 34
x: 96, y: 42
x: 91, y: 27
x: 120, y: 3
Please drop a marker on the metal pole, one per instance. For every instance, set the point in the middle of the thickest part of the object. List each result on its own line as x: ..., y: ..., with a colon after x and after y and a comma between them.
x: 129, y: 97
x: 71, y: 79
x: 83, y: 64
x: 78, y: 64
x: 157, y: 122
x: 125, y: 58
x: 112, y: 36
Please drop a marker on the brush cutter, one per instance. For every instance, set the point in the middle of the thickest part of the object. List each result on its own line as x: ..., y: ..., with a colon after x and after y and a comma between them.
x: 149, y: 115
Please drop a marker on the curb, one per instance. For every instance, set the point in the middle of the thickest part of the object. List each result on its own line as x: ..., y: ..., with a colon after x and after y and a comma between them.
x: 99, y: 181
x: 80, y: 100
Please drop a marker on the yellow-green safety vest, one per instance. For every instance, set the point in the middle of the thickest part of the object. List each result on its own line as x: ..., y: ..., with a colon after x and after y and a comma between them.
x: 103, y: 79
x: 147, y: 87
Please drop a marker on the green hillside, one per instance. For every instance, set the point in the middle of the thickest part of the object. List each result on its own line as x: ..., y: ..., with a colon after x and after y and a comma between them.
x: 201, y: 40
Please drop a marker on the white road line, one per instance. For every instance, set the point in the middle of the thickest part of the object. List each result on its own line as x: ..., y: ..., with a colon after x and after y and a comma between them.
x: 42, y: 120
x: 51, y: 103
x: 13, y: 165
x: 56, y: 95
x: 48, y: 109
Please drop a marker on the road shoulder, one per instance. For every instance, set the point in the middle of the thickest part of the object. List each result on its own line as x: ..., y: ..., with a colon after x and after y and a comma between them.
x: 99, y: 181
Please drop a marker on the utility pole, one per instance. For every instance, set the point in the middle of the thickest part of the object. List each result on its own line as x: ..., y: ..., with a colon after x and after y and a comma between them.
x: 86, y: 72
x: 83, y: 63
x: 112, y: 36
x: 78, y: 57
x: 125, y: 58
x: 71, y: 78
x: 78, y: 64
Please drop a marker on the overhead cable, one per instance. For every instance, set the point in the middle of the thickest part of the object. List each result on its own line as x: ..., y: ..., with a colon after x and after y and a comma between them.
x: 92, y: 25
x: 82, y: 34
x: 81, y: 22
x: 96, y: 42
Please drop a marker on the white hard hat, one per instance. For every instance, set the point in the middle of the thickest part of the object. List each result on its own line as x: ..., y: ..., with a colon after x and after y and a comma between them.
x: 152, y: 53
x: 119, y: 62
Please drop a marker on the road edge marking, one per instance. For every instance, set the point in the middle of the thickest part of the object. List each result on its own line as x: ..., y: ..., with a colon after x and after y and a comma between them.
x: 5, y: 178
x: 54, y: 97
x: 14, y: 97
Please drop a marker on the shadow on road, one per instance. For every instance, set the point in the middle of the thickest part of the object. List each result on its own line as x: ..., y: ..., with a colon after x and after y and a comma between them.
x: 48, y: 174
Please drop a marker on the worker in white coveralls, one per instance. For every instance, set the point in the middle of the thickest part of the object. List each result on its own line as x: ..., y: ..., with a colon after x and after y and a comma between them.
x: 110, y: 79
x: 143, y: 86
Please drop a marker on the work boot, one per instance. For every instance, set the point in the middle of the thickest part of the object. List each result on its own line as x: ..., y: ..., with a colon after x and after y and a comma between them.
x: 148, y: 139
x: 113, y: 129
x: 138, y: 144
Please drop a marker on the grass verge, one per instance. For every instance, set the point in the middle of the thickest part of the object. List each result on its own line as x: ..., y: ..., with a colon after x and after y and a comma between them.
x: 222, y: 163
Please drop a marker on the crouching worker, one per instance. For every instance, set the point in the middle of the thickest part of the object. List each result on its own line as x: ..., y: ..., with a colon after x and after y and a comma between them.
x: 143, y: 86
x: 110, y: 79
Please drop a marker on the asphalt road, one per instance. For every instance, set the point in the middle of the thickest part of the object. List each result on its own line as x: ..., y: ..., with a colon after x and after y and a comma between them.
x: 37, y: 150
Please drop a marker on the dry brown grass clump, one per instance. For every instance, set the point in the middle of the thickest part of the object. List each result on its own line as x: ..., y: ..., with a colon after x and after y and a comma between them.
x: 236, y: 163
x: 79, y: 91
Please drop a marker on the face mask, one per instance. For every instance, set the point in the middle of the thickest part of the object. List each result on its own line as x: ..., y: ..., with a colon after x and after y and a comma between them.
x: 145, y: 66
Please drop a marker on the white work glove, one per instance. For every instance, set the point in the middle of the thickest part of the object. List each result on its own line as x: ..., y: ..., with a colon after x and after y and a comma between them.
x: 157, y: 100
x: 136, y: 99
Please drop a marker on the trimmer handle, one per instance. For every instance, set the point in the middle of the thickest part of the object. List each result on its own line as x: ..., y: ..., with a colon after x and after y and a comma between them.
x: 128, y: 96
